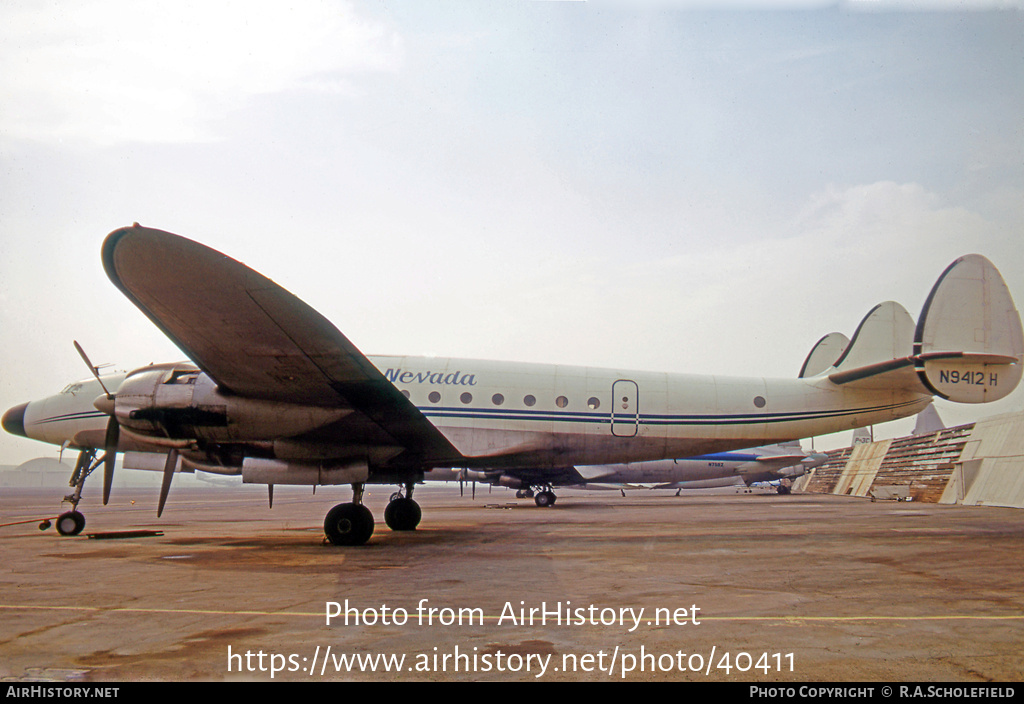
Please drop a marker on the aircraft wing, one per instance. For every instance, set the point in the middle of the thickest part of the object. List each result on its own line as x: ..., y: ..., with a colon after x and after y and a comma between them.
x: 769, y: 462
x: 257, y: 340
x: 780, y: 460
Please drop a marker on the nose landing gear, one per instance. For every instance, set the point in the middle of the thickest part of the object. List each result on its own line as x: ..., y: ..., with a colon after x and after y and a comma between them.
x: 70, y: 523
x: 73, y: 522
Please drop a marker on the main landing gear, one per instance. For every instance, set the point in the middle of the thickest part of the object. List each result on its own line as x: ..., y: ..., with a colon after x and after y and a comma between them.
x: 352, y: 523
x: 402, y: 512
x: 543, y: 496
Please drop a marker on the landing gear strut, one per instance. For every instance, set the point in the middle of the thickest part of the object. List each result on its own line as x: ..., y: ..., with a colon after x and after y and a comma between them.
x: 352, y: 524
x: 72, y: 522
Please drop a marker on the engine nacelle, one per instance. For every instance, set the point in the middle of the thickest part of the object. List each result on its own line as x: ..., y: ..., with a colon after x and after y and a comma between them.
x: 178, y: 401
x: 157, y: 401
x: 263, y: 471
x: 511, y: 482
x: 473, y: 475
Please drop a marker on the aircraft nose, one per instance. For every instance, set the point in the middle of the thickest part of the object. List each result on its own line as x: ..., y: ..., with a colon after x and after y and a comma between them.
x: 14, y: 420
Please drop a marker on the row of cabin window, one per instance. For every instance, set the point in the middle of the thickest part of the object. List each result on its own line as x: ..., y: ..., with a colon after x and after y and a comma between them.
x: 593, y: 403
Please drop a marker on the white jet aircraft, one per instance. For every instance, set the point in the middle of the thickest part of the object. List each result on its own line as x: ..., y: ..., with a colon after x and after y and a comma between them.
x: 277, y: 394
x: 774, y: 463
x: 784, y: 461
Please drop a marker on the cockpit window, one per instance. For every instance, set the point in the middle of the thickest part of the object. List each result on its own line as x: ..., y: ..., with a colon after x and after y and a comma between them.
x: 72, y: 388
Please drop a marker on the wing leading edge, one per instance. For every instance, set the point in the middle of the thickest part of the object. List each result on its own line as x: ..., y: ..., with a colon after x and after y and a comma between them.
x: 257, y: 340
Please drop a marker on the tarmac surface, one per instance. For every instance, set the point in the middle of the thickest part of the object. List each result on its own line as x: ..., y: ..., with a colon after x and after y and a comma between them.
x: 732, y: 587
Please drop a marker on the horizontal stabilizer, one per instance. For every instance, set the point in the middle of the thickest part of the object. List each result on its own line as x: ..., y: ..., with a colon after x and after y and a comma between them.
x: 903, y: 372
x: 879, y: 355
x: 967, y: 345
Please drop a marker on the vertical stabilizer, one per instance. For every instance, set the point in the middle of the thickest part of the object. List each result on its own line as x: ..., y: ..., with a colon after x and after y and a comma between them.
x: 824, y: 354
x: 968, y: 342
x: 928, y: 421
x: 885, y: 334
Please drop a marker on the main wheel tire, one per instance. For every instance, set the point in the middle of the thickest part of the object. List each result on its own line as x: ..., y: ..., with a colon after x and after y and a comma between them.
x: 544, y: 498
x: 70, y: 523
x: 402, y: 514
x: 348, y: 524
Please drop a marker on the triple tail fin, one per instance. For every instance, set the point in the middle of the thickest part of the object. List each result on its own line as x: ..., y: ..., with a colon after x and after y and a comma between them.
x: 824, y: 354
x: 967, y: 345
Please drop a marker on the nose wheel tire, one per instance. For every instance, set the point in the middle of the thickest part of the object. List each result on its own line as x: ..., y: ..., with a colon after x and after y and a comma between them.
x: 70, y: 523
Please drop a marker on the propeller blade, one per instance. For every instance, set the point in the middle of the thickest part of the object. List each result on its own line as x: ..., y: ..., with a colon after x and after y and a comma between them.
x: 172, y: 461
x: 270, y: 488
x: 95, y: 370
x: 110, y: 447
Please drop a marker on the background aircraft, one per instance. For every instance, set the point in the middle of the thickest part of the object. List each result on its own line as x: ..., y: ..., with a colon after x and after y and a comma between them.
x: 784, y: 461
x: 276, y: 394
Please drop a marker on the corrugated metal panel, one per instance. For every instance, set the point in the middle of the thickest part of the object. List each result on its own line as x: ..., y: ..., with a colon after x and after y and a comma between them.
x: 861, y: 469
x: 992, y: 468
x: 823, y: 478
x: 963, y: 475
x: 922, y: 464
x: 980, y: 463
x: 999, y: 436
x: 918, y: 466
x: 1000, y: 482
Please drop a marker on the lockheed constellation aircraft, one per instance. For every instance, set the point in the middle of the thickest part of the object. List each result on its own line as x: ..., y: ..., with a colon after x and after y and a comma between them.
x: 276, y: 394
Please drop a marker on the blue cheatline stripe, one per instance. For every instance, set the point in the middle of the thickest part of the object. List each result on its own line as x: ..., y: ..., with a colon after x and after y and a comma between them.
x: 727, y: 457
x: 575, y: 417
x: 83, y: 415
x: 651, y: 419
x: 593, y: 417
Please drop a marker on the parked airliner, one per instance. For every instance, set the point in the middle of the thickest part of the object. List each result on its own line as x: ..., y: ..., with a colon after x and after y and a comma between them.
x: 783, y: 463
x: 276, y: 394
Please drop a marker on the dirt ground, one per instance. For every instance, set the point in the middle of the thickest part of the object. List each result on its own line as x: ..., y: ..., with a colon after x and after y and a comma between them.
x: 600, y: 587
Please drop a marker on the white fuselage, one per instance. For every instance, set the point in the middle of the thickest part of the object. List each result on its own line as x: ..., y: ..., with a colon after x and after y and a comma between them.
x: 547, y: 415
x: 514, y: 414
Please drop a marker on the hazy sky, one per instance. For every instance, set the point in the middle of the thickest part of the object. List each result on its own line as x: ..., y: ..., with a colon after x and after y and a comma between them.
x: 638, y: 185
